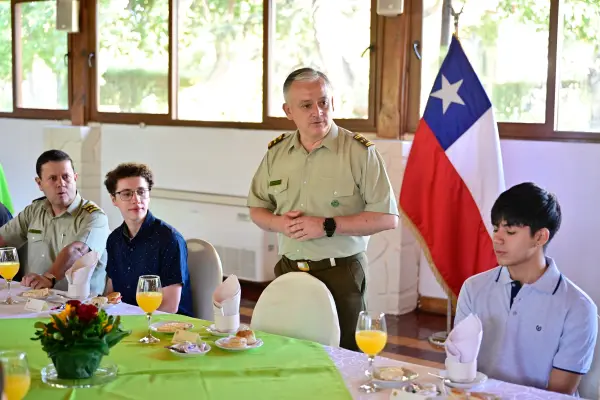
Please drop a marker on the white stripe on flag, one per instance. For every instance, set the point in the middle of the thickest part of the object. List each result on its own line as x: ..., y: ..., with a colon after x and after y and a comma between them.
x: 476, y: 157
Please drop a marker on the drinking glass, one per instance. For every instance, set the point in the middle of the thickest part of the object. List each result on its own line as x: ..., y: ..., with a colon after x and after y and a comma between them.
x: 16, y: 374
x: 371, y: 338
x: 9, y: 266
x: 149, y: 297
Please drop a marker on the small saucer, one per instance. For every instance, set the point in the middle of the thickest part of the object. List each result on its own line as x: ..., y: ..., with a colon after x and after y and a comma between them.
x: 220, y: 344
x: 107, y: 372
x: 393, y: 377
x: 215, y: 332
x: 192, y: 354
x: 480, y: 378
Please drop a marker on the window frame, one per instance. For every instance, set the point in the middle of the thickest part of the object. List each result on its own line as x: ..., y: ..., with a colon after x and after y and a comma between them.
x: 545, y: 131
x: 24, y: 112
x: 268, y: 122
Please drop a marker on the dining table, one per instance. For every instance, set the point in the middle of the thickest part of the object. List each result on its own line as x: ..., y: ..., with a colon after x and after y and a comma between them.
x: 282, y: 368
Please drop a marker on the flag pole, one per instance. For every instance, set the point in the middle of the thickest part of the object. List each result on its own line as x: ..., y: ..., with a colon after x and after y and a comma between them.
x: 439, y: 338
x: 456, y: 16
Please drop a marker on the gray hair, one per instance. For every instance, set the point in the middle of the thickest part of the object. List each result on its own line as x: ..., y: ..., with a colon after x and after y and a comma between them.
x: 305, y: 75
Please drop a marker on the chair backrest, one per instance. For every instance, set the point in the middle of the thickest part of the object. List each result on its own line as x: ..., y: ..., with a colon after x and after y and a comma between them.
x: 589, y: 388
x: 298, y: 305
x: 206, y: 273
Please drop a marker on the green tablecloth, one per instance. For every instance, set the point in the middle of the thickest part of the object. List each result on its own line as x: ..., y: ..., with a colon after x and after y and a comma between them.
x: 282, y: 368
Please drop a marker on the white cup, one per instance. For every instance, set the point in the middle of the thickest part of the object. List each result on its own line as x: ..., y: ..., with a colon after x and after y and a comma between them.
x: 461, y: 372
x: 78, y: 291
x: 227, y: 323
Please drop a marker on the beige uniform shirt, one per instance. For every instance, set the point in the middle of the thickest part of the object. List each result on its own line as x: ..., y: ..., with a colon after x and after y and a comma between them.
x: 345, y: 175
x: 46, y: 235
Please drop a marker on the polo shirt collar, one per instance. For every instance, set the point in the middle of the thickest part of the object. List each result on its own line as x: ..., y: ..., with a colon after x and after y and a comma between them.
x: 148, y: 221
x: 547, y: 283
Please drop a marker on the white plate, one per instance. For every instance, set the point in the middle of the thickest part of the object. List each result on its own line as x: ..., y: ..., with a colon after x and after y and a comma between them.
x: 219, y: 344
x: 480, y: 378
x: 404, y: 375
x: 191, y: 355
x: 154, y: 327
x: 213, y: 330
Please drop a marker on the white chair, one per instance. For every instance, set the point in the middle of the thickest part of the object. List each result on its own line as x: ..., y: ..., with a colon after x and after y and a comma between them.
x: 298, y: 305
x: 206, y: 273
x: 589, y: 387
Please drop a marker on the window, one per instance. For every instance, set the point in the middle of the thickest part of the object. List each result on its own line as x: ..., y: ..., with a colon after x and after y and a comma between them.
x: 223, y: 62
x: 578, y: 97
x: 133, y: 56
x: 539, y: 61
x: 332, y: 36
x: 41, y: 58
x: 5, y: 57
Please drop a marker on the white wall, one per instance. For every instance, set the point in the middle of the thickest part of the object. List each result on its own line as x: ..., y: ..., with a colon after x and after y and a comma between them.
x: 22, y: 142
x: 572, y: 171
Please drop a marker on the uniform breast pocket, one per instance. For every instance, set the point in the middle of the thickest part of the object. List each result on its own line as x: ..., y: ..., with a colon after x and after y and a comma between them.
x: 38, y: 258
x: 345, y: 197
x: 278, y: 189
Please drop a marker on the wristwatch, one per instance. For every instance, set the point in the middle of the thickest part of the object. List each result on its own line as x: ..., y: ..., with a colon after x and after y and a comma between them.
x: 51, y: 277
x: 329, y: 226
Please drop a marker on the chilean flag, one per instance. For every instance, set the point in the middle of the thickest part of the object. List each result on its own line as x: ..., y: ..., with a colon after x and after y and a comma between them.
x: 454, y: 174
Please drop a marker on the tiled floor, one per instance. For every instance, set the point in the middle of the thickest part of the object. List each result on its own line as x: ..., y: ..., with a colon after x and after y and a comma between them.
x: 407, y: 336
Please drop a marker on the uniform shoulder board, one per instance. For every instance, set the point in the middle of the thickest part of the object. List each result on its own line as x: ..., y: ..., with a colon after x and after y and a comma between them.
x: 39, y: 198
x: 91, y: 207
x: 365, y: 142
x: 276, y: 140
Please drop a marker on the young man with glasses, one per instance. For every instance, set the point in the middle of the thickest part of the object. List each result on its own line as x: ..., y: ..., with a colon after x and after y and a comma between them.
x: 143, y: 244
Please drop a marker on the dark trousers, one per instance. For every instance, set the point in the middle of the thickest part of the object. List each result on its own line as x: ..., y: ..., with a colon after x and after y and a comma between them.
x: 346, y: 282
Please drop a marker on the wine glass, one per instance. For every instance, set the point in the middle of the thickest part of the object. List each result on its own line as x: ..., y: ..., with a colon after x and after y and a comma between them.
x: 149, y: 296
x: 371, y: 338
x: 16, y: 374
x: 9, y: 266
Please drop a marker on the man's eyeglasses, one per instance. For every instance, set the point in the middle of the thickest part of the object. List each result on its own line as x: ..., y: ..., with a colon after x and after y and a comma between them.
x: 127, y: 194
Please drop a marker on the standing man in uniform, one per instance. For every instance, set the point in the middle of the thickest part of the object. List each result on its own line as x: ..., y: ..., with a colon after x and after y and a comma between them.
x: 58, y: 228
x: 324, y: 190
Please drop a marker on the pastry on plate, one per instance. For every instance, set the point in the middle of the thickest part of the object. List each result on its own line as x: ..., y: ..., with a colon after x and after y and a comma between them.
x: 235, y: 342
x: 99, y: 301
x: 36, y: 293
x: 461, y: 394
x: 247, y: 334
x: 114, y: 297
x: 171, y: 327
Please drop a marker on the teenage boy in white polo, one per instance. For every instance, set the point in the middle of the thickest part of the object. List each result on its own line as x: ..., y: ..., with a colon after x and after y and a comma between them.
x: 539, y: 329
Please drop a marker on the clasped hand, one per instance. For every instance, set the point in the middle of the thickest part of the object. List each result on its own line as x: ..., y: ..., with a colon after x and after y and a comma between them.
x: 302, y: 227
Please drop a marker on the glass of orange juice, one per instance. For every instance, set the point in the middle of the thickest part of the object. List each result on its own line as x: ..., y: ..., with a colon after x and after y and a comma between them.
x: 9, y: 266
x: 149, y: 296
x: 371, y: 338
x: 16, y: 374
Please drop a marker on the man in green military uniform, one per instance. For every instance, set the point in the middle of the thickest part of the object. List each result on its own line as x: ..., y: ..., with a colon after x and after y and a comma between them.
x: 58, y: 228
x: 324, y: 190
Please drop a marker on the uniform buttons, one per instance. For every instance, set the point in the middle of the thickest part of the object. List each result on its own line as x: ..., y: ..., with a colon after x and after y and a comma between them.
x: 305, y: 182
x: 514, y: 313
x: 301, y: 205
x: 298, y: 251
x: 334, y: 192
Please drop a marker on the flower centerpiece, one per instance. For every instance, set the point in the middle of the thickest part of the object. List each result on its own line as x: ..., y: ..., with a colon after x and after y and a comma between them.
x: 78, y: 337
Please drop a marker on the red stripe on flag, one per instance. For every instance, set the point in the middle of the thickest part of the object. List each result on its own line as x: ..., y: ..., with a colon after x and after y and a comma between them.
x: 439, y: 204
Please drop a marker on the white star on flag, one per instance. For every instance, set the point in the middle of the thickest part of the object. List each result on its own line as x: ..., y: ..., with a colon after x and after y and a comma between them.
x: 448, y: 93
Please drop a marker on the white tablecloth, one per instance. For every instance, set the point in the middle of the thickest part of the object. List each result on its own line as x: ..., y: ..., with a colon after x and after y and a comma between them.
x: 350, y: 364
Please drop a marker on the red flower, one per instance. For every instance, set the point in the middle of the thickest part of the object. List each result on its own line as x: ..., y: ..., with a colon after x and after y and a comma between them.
x: 74, y: 303
x: 87, y: 312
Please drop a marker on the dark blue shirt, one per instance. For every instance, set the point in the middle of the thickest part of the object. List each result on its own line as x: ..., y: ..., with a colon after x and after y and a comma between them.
x: 157, y: 249
x: 5, y: 215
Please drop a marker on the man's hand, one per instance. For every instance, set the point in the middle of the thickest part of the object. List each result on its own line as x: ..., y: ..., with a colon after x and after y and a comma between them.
x: 306, y: 228
x: 36, y: 281
x: 286, y: 221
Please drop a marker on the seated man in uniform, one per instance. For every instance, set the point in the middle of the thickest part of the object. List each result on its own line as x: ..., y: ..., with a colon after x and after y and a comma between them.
x: 143, y: 244
x: 539, y: 329
x: 58, y: 228
x: 5, y: 215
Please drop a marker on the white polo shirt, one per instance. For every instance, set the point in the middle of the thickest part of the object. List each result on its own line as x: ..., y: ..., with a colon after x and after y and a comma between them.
x: 551, y: 324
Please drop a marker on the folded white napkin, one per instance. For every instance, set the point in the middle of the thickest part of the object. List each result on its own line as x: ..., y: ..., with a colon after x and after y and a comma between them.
x: 464, y: 340
x: 226, y: 297
x: 80, y: 275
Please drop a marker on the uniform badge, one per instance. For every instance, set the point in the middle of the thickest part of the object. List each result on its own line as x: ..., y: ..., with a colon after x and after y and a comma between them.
x: 335, y: 203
